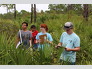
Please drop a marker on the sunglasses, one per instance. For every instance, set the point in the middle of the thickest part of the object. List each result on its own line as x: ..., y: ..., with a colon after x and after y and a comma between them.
x: 67, y: 27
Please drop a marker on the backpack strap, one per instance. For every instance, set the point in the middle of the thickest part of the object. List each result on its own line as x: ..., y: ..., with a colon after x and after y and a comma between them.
x: 20, y: 36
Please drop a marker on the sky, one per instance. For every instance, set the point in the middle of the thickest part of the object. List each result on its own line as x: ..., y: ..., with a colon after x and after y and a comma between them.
x: 26, y: 7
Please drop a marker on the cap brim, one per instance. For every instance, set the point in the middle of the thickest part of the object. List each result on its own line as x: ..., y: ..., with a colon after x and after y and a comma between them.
x: 66, y: 27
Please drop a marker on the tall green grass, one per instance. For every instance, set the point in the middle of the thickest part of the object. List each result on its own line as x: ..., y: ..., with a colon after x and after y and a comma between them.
x: 9, y: 55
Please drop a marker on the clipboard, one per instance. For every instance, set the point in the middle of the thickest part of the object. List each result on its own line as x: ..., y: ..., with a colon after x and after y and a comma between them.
x: 43, y: 38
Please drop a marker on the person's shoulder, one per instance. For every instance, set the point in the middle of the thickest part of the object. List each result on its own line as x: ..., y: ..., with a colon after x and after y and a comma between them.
x: 48, y: 33
x: 76, y: 36
x: 29, y: 31
x: 20, y: 31
x: 40, y: 33
x: 64, y: 33
x: 36, y: 30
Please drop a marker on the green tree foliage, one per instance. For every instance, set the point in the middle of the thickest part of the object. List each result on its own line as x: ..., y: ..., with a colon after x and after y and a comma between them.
x: 64, y: 8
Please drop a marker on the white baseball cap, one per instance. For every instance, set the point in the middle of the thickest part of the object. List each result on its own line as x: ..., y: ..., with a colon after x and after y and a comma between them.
x: 68, y: 25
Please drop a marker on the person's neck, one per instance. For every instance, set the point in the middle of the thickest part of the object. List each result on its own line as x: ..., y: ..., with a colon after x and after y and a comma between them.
x: 70, y: 32
x: 33, y: 30
x: 43, y: 31
x: 24, y: 29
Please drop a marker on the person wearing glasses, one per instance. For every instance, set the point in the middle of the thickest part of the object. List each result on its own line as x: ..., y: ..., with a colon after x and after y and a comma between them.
x: 71, y: 43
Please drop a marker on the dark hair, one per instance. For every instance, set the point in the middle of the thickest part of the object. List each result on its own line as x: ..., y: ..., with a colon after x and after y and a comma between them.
x: 33, y: 26
x: 25, y: 23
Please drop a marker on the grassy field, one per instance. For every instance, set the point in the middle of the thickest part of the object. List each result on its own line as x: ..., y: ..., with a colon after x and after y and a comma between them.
x: 11, y: 56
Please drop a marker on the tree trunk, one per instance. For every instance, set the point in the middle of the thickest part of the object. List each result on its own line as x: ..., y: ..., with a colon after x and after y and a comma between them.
x: 15, y: 11
x: 34, y: 13
x: 31, y: 13
x: 7, y: 8
x: 85, y: 11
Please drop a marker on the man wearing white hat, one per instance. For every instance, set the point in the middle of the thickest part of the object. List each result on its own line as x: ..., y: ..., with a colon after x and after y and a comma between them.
x: 71, y: 42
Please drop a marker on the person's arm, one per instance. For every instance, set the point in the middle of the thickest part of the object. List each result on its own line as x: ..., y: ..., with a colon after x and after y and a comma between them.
x: 50, y: 39
x: 76, y: 45
x: 38, y: 41
x: 75, y: 49
x: 37, y: 38
x: 17, y: 38
x: 59, y: 45
x: 30, y: 42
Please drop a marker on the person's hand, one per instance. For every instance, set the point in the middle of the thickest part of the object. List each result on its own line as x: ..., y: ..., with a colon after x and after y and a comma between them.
x: 67, y: 49
x: 57, y: 46
x: 40, y: 41
x: 50, y: 42
x: 45, y: 40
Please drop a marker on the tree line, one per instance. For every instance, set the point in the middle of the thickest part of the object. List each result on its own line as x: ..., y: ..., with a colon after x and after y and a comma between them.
x: 79, y: 9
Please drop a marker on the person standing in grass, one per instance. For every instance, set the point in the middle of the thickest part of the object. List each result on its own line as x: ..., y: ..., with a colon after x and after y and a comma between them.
x: 26, y: 36
x: 43, y: 37
x: 34, y: 33
x: 71, y: 42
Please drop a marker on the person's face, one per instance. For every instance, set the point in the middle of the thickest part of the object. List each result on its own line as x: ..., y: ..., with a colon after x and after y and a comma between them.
x: 42, y: 29
x: 68, y: 30
x: 24, y: 26
x: 33, y: 29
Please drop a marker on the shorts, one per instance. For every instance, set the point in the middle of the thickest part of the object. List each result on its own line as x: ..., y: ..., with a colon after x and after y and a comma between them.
x: 66, y: 63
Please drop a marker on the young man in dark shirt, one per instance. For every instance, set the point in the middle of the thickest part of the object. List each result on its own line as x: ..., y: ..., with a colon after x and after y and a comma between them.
x: 26, y: 36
